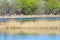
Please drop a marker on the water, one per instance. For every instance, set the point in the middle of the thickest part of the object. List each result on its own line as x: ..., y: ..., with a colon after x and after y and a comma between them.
x: 29, y: 37
x: 40, y: 18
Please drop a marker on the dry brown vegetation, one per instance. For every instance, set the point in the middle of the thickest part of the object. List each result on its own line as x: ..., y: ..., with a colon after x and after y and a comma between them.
x: 31, y: 27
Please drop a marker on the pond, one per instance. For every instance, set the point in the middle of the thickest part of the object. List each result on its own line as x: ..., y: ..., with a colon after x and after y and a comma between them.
x: 29, y: 37
x: 40, y: 18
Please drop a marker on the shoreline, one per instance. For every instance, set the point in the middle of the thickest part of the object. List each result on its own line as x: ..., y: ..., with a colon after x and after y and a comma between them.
x: 29, y: 16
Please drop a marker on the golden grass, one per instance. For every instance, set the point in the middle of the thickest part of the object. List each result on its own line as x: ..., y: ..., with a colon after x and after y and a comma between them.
x: 30, y: 27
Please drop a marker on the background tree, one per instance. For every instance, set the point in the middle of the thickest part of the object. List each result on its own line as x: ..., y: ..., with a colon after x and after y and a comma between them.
x: 5, y: 7
x: 53, y: 5
x: 27, y: 6
x: 18, y: 7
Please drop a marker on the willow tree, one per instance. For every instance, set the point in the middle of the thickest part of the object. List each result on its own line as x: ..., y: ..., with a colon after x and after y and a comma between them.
x: 53, y: 5
x: 27, y: 6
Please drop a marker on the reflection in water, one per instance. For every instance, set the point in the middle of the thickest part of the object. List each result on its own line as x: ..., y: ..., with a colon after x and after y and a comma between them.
x: 39, y: 18
x: 29, y: 37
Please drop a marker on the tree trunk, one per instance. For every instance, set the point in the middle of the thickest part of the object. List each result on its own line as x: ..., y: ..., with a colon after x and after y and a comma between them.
x: 51, y: 11
x: 23, y: 11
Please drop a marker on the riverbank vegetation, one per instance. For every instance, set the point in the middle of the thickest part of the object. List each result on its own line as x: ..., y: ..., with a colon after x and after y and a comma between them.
x: 29, y: 7
x: 30, y: 27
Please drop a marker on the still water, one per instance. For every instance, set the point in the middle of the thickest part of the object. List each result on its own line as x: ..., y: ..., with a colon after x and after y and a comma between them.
x: 29, y: 37
x: 40, y: 18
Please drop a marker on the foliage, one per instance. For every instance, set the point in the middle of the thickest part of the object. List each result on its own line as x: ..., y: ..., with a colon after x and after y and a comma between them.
x: 20, y: 6
x: 53, y: 4
x: 29, y: 5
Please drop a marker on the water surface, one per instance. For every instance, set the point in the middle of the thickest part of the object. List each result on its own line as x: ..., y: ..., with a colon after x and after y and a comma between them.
x: 40, y: 18
x: 29, y: 37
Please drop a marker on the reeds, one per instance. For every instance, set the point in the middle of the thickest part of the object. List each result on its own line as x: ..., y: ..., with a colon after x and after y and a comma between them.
x: 30, y: 27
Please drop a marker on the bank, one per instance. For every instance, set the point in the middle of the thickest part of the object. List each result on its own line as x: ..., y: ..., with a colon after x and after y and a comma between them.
x: 30, y: 27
